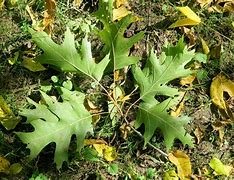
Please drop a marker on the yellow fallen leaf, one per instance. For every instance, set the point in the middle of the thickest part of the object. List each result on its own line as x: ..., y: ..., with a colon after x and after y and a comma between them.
x: 192, y: 18
x: 119, y: 3
x: 107, y: 152
x: 177, y: 112
x: 32, y: 65
x: 37, y: 25
x: 77, y: 2
x: 219, y: 85
x: 190, y: 34
x: 189, y: 14
x: 228, y: 7
x: 120, y: 12
x: 94, y: 141
x: 219, y: 167
x: 12, y: 60
x: 187, y: 80
x: 7, y: 117
x: 182, y: 162
x: 110, y: 153
x: 4, y: 165
x: 205, y: 47
x: 2, y: 4
x: 49, y: 15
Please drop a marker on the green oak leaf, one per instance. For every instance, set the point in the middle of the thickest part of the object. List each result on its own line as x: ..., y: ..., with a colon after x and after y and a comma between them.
x: 66, y: 58
x: 154, y: 80
x: 55, y: 121
x: 154, y: 116
x: 157, y: 73
x: 112, y: 35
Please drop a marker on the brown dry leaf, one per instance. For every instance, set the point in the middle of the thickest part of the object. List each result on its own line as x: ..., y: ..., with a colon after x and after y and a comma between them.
x: 125, y: 130
x: 220, y: 129
x: 94, y: 110
x: 215, y: 52
x: 49, y: 15
x: 199, y: 134
x: 219, y: 85
x: 222, y: 6
x: 219, y: 126
x: 4, y: 165
x: 204, y: 2
x: 182, y: 162
x: 190, y: 34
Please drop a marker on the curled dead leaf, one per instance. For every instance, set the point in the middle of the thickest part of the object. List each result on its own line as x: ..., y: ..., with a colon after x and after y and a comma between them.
x: 49, y: 15
x: 199, y: 134
x: 182, y: 162
x: 187, y: 80
x: 219, y: 85
x: 7, y: 117
x: 125, y: 130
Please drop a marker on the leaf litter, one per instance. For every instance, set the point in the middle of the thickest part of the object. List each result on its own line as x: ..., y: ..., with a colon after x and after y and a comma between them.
x: 173, y: 100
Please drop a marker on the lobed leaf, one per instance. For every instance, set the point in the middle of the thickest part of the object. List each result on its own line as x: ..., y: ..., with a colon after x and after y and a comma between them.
x: 56, y: 122
x: 154, y: 116
x: 153, y: 80
x: 112, y: 35
x: 65, y: 56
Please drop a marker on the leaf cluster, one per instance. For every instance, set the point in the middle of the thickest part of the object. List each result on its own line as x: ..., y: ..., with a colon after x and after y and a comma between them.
x: 56, y: 121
